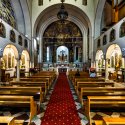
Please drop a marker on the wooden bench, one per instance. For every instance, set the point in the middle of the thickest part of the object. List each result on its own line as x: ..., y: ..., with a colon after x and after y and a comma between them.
x: 80, y: 85
x: 103, y: 102
x: 111, y: 121
x: 100, y: 91
x: 47, y: 80
x: 87, y: 80
x: 20, y: 101
x: 36, y: 92
x: 114, y: 120
x: 31, y: 84
x: 51, y: 77
x: 9, y: 120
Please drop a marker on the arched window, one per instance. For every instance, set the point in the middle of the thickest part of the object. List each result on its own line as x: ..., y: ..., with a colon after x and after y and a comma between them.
x: 112, y: 35
x: 20, y: 40
x: 98, y: 43
x: 12, y: 36
x: 48, y: 54
x: 122, y: 30
x: 2, y: 30
x: 25, y: 43
x: 104, y: 40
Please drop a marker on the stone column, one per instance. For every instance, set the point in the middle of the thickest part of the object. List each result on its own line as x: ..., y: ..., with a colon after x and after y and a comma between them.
x: 106, y: 69
x: 18, y: 68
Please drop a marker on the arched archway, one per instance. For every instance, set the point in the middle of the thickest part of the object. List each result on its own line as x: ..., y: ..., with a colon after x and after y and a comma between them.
x: 8, y: 61
x: 77, y: 16
x: 25, y: 60
x: 114, y: 56
x: 100, y: 62
x: 63, y: 34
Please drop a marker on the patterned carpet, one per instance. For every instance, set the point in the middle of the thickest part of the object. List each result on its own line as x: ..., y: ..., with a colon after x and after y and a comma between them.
x: 61, y: 109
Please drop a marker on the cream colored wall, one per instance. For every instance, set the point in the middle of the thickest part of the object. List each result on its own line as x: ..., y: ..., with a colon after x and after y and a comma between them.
x: 89, y: 9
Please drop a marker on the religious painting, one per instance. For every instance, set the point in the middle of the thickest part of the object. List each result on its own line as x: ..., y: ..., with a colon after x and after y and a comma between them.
x: 12, y: 36
x: 2, y: 30
x: 20, y: 40
x: 122, y: 30
x: 112, y: 35
x: 25, y: 43
x: 104, y: 40
x: 8, y: 14
x: 84, y: 2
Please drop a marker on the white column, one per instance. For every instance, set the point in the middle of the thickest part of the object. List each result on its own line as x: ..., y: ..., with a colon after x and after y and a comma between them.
x: 106, y: 69
x: 18, y: 70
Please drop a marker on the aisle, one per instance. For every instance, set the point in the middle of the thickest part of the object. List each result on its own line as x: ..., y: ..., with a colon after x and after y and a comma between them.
x: 61, y: 109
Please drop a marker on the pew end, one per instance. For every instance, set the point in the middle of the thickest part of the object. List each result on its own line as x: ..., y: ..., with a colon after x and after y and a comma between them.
x: 9, y: 120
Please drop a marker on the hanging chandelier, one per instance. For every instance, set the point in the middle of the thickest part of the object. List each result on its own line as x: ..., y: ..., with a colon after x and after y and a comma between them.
x: 62, y: 15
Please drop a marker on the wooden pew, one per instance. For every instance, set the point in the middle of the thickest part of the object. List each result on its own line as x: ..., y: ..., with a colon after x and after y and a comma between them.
x: 80, y: 85
x: 87, y: 80
x: 103, y: 102
x: 111, y: 121
x: 83, y: 74
x: 31, y: 84
x: 101, y: 91
x: 9, y: 120
x: 19, y: 101
x: 36, y: 92
x: 114, y: 120
x: 47, y: 80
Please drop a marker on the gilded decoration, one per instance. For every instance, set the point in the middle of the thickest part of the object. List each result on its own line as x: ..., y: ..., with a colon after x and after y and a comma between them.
x: 62, y: 34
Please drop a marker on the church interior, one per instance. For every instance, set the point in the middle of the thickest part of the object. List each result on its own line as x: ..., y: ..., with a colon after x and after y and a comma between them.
x: 62, y: 62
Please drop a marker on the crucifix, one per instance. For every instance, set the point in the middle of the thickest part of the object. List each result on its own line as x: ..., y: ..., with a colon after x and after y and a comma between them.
x: 62, y: 55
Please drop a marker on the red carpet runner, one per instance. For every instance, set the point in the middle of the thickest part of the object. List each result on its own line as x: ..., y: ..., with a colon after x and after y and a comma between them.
x: 61, y: 109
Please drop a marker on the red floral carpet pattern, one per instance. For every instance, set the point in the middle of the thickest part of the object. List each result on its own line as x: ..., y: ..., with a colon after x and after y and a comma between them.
x: 61, y: 109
